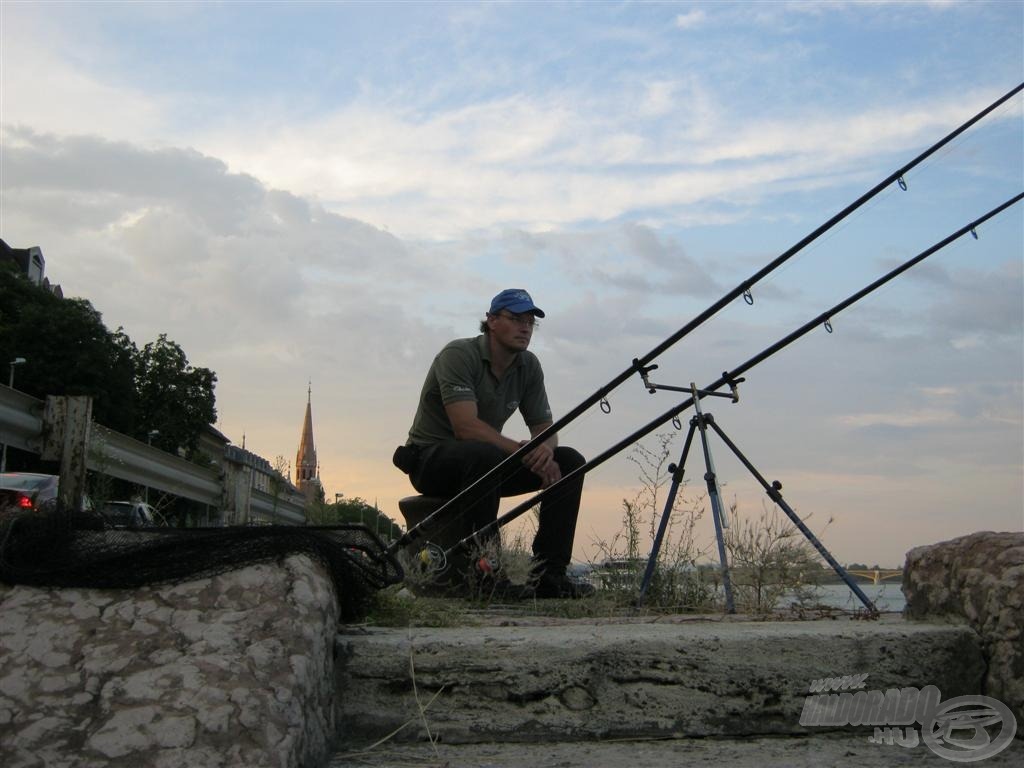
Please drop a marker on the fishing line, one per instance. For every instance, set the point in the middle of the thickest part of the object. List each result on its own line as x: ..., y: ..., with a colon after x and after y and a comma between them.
x: 743, y: 289
x: 918, y: 178
x: 730, y: 377
x: 915, y: 180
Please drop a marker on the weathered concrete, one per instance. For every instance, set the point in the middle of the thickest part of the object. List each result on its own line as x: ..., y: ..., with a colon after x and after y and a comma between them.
x: 836, y: 750
x: 977, y: 579
x: 230, y: 671
x: 585, y: 681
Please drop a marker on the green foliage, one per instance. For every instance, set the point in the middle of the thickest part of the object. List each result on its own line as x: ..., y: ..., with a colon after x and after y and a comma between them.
x: 172, y: 397
x: 354, y: 510
x: 69, y: 351
x: 397, y: 607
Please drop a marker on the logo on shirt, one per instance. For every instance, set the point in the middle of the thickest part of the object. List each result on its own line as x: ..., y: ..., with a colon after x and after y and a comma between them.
x: 513, y: 405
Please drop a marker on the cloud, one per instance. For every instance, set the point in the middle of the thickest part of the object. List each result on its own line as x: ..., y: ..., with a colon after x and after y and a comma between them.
x: 659, y: 99
x: 49, y: 76
x: 911, y: 419
x: 561, y: 157
x: 338, y: 220
x: 690, y: 19
x: 89, y: 168
x: 979, y: 301
x: 668, y: 149
x: 179, y: 223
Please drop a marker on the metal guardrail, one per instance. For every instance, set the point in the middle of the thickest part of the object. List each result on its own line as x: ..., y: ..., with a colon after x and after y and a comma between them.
x: 112, y: 453
x: 21, y: 420
x: 117, y: 455
x: 283, y: 512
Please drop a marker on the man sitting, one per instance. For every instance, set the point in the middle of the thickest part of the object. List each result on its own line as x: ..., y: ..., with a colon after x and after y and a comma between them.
x: 471, y: 389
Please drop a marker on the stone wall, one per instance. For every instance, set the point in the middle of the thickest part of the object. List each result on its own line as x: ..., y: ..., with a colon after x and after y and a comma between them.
x: 235, y: 670
x: 978, y: 579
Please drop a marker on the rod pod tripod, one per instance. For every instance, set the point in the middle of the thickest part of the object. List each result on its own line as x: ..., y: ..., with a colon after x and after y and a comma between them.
x: 701, y: 422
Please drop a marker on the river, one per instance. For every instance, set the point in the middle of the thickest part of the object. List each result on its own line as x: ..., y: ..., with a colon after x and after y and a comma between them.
x: 886, y: 596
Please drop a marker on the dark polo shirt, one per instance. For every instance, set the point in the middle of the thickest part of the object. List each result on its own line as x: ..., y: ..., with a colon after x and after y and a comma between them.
x: 462, y: 371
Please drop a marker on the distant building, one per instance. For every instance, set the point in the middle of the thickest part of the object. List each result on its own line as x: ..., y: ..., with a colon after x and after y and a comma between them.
x: 30, y: 262
x: 250, y: 474
x: 212, y: 444
x: 307, y: 470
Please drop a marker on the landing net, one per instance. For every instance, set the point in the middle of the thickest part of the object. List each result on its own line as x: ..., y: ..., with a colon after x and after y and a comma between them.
x: 55, y: 549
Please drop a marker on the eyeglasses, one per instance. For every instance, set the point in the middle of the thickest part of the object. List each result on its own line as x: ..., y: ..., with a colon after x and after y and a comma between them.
x: 527, y: 320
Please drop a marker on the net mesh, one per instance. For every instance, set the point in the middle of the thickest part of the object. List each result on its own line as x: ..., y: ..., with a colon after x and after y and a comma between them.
x: 55, y: 549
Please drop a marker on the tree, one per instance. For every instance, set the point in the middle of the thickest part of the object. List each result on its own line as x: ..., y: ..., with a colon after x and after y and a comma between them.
x: 172, y: 397
x: 68, y: 349
x: 354, y: 510
x: 278, y: 482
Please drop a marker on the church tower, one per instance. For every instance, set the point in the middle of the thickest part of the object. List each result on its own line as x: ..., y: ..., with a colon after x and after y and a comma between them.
x: 307, y: 470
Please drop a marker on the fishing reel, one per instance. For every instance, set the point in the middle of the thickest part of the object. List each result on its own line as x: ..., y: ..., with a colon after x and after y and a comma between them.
x: 432, y: 559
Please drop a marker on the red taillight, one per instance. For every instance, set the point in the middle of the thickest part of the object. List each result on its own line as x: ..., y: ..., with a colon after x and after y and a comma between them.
x: 25, y: 502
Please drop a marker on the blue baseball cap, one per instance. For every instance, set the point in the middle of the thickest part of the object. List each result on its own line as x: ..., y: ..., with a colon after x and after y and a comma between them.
x: 514, y: 300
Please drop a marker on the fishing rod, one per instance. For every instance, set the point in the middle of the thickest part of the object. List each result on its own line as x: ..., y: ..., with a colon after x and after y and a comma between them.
x: 743, y: 289
x: 730, y: 378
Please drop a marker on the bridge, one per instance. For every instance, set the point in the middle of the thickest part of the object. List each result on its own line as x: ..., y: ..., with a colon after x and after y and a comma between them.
x: 877, y: 575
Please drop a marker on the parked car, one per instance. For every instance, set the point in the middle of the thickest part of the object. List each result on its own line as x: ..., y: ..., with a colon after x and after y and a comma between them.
x: 131, y: 514
x: 27, y: 490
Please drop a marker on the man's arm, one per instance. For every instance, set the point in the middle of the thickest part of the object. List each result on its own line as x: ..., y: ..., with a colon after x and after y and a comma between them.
x: 467, y: 426
x: 542, y: 459
x: 536, y: 429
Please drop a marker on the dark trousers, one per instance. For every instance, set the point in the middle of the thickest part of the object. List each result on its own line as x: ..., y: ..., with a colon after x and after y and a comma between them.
x: 446, y: 468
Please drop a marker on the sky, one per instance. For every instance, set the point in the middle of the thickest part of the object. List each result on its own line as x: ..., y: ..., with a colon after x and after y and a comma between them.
x: 323, y: 194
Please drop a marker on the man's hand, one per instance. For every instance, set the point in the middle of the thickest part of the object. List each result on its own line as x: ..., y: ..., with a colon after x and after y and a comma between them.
x: 541, y: 461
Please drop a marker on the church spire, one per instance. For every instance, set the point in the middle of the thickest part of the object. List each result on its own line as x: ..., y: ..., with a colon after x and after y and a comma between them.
x: 307, y: 469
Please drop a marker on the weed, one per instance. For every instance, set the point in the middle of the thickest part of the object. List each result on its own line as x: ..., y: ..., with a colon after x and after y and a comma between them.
x: 676, y: 582
x: 769, y: 558
x: 396, y: 606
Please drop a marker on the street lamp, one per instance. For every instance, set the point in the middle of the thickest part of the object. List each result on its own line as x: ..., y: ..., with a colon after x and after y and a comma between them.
x: 14, y: 362
x: 10, y: 383
x: 149, y: 441
x: 336, y: 515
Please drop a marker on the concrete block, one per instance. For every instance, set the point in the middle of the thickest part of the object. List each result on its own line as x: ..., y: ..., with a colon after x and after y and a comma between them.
x: 600, y: 681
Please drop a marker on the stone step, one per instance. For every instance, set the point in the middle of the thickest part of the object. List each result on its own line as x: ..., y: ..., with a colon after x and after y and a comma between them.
x: 583, y: 681
x: 842, y: 750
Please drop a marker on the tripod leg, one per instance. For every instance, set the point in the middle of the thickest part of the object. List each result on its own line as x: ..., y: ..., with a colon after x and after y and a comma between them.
x: 773, y: 491
x: 717, y: 511
x: 677, y: 478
